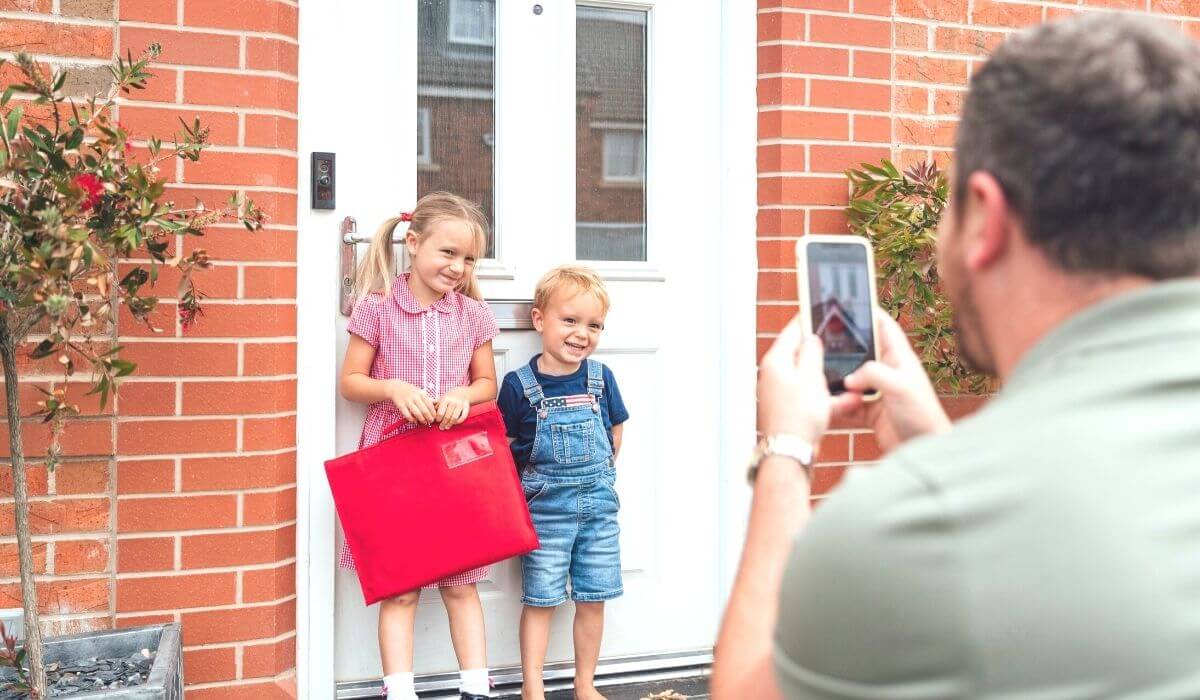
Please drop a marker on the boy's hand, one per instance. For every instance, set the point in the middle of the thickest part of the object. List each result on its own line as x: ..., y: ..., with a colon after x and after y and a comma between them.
x: 414, y: 404
x: 452, y: 408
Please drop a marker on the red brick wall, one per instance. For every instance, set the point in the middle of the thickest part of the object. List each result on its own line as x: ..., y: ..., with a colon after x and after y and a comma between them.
x: 181, y: 506
x: 205, y: 442
x: 72, y: 511
x: 845, y: 81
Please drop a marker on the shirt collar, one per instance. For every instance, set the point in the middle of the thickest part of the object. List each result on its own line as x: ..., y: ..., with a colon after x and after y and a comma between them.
x: 1161, y: 309
x: 404, y: 297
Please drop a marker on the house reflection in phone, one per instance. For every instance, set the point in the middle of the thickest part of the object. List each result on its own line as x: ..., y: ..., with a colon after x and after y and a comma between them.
x: 839, y: 284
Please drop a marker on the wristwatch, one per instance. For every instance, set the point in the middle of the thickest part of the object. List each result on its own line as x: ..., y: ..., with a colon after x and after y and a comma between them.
x: 782, y: 445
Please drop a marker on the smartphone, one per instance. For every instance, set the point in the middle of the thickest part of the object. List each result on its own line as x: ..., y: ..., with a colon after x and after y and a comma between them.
x: 836, y: 280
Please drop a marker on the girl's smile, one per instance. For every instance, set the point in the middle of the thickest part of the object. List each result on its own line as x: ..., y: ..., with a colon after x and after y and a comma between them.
x: 441, y: 260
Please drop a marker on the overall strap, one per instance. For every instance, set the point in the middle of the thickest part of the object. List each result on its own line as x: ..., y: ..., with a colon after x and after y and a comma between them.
x: 529, y: 383
x: 595, y: 381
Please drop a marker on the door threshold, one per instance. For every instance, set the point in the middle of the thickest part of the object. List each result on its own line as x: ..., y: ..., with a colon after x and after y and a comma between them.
x: 617, y: 670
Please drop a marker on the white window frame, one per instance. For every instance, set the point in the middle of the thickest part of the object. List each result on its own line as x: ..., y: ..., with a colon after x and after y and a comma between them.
x: 424, y: 141
x: 456, y: 8
x: 639, y: 158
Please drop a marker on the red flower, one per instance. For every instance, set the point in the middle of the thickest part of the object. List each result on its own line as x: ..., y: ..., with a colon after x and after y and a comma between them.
x: 92, y: 187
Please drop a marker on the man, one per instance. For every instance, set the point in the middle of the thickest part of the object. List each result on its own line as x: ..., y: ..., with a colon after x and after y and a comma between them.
x: 1048, y: 546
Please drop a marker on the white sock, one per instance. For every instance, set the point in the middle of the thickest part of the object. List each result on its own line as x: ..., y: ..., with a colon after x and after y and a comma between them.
x: 475, y: 681
x: 399, y: 686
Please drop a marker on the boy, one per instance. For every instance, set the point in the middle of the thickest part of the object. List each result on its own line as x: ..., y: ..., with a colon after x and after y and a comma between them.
x: 564, y: 416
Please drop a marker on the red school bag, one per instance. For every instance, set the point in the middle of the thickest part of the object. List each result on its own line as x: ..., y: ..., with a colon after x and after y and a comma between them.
x: 429, y: 503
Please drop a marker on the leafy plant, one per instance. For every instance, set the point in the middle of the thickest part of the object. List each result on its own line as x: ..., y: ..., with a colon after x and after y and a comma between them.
x: 84, y: 230
x: 14, y: 658
x: 899, y: 213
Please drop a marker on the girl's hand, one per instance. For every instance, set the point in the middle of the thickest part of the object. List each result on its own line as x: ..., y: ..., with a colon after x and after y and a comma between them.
x: 414, y: 404
x: 452, y: 408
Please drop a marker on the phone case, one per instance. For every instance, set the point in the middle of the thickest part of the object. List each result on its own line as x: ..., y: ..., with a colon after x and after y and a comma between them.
x: 802, y: 284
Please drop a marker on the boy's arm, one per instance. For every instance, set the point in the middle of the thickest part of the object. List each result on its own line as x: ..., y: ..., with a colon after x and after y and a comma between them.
x: 617, y: 412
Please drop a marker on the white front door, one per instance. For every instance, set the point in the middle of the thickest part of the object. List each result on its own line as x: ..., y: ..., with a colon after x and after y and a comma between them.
x: 590, y: 132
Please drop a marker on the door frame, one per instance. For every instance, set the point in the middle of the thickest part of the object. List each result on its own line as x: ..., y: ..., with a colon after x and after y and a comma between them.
x: 317, y: 305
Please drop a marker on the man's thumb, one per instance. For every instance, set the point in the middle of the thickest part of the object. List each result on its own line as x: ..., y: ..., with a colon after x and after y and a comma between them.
x: 874, y: 375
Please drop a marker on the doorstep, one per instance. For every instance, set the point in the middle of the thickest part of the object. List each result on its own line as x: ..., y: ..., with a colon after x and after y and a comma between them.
x: 695, y: 688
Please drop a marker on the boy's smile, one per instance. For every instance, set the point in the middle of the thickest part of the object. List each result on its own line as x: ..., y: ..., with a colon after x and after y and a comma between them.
x: 570, y: 326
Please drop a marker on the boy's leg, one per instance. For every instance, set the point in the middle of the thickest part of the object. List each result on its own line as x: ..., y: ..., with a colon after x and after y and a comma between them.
x: 535, y: 637
x: 396, y: 616
x: 554, y: 511
x: 588, y: 631
x: 595, y: 578
x: 466, y: 625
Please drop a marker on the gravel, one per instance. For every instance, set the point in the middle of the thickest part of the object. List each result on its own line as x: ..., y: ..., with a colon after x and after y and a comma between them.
x: 90, y: 675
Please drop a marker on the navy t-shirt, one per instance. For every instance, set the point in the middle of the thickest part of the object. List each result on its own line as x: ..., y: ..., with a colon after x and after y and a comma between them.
x: 520, y: 419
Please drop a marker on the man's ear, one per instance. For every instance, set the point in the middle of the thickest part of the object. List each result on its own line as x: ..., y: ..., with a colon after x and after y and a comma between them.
x: 989, y: 222
x: 538, y: 321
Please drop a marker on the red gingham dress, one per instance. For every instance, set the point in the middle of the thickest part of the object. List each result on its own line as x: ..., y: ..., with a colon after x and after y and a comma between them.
x: 430, y: 348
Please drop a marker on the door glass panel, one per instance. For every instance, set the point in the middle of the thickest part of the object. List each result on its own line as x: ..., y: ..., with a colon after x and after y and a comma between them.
x: 610, y: 138
x: 456, y: 60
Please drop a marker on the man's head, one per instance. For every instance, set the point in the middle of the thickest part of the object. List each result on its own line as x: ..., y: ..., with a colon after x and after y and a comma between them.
x: 1079, y: 143
x: 569, y: 308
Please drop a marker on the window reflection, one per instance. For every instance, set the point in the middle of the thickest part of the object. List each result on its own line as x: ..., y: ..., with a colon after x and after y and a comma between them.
x: 455, y: 100
x: 610, y: 141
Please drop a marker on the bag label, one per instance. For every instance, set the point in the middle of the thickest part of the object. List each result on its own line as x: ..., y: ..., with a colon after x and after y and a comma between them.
x: 466, y: 450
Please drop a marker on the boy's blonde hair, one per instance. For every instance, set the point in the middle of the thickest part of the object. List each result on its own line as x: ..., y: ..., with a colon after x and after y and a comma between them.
x: 576, y: 279
x: 377, y: 270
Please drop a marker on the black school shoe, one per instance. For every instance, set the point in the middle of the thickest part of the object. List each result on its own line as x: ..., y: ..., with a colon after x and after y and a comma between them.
x: 473, y: 696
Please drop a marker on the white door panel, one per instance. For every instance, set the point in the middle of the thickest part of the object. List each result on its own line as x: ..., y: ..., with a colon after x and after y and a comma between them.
x: 662, y: 335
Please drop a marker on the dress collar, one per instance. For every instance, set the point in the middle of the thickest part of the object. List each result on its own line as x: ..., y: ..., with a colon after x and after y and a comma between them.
x: 404, y: 297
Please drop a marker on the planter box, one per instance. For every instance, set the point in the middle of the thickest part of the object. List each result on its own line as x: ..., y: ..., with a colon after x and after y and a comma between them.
x: 166, y: 675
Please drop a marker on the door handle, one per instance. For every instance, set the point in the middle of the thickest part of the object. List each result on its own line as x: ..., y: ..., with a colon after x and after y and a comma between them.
x: 349, y: 264
x: 348, y: 267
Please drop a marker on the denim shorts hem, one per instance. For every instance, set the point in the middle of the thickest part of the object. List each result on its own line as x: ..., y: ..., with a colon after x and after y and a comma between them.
x: 543, y: 602
x: 597, y: 597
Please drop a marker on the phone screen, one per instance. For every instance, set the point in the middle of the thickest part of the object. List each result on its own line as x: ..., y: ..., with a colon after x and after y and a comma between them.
x: 839, y: 289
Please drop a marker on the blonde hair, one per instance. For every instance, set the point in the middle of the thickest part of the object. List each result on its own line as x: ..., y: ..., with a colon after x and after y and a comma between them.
x: 377, y: 270
x: 574, y: 278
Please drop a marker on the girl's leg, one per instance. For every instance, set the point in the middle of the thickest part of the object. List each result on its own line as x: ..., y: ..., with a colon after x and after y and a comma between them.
x: 535, y: 637
x: 588, y: 630
x: 396, y: 616
x: 466, y: 625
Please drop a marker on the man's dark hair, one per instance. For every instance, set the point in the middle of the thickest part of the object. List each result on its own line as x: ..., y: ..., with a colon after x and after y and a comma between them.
x: 1092, y: 127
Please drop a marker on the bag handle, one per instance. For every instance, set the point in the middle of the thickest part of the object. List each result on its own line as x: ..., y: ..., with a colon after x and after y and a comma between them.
x: 476, y: 409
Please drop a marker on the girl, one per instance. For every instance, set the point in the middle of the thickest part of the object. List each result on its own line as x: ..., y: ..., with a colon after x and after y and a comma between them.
x: 421, y: 348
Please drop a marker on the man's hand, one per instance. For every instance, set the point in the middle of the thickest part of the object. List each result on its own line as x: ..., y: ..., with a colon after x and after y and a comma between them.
x: 908, y: 406
x: 792, y: 396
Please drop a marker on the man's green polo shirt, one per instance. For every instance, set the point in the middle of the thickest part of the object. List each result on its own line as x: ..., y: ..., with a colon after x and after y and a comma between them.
x: 1048, y: 547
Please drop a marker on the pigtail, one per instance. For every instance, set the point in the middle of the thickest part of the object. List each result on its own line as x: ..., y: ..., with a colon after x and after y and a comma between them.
x: 377, y: 270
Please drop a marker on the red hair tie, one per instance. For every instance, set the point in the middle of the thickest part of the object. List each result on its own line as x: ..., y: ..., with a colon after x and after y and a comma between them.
x: 405, y: 216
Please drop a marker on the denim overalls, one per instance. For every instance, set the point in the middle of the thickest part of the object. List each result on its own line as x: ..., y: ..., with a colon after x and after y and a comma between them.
x: 569, y: 485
